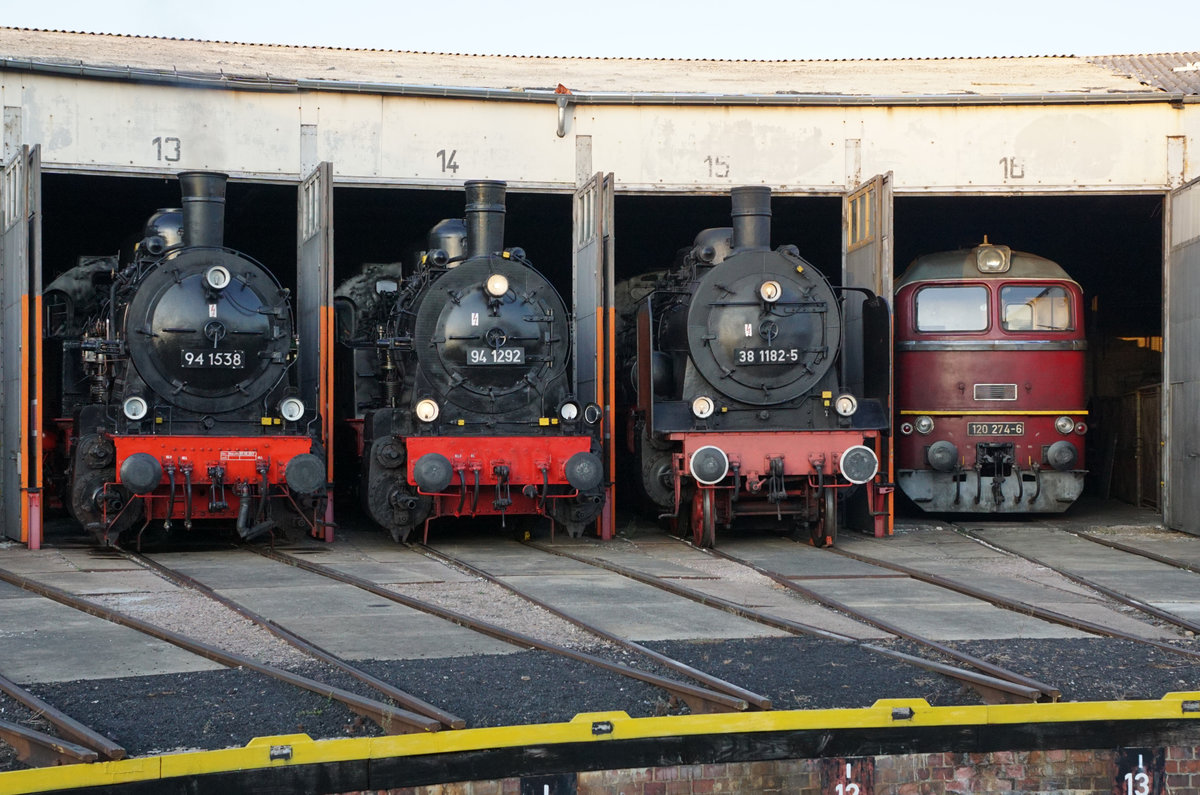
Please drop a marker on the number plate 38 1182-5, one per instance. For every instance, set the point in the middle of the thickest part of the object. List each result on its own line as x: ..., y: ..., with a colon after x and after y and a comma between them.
x: 995, y: 429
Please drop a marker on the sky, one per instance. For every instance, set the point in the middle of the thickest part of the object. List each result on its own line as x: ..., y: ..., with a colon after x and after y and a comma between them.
x: 760, y: 29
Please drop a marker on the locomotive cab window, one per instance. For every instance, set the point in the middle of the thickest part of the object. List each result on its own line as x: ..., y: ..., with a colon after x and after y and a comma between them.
x: 1035, y: 308
x: 960, y: 308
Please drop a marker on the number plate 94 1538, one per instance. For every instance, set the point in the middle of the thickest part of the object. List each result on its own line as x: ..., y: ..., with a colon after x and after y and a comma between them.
x: 225, y: 360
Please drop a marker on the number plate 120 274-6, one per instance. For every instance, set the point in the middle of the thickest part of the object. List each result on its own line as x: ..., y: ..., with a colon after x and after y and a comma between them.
x: 995, y: 429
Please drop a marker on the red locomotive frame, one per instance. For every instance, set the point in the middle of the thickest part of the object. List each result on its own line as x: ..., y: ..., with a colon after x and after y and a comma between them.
x: 809, y: 468
x: 223, y: 466
x: 531, y: 465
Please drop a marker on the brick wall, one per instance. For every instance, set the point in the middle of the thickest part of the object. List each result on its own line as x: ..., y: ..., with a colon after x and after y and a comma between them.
x: 1096, y: 772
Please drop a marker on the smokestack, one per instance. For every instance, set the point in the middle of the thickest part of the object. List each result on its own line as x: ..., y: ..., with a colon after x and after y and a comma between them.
x: 485, y: 218
x: 751, y: 217
x: 203, y: 208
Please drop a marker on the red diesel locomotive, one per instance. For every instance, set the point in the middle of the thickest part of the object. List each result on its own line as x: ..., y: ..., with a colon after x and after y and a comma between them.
x: 990, y: 395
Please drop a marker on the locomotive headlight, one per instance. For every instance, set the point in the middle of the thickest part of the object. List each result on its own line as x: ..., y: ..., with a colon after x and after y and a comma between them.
x: 217, y: 277
x: 1064, y: 425
x: 709, y: 465
x: 496, y: 285
x: 770, y: 291
x: 291, y: 408
x: 703, y: 406
x: 569, y: 410
x: 923, y: 424
x: 992, y: 259
x: 427, y: 410
x: 135, y: 407
x: 845, y: 405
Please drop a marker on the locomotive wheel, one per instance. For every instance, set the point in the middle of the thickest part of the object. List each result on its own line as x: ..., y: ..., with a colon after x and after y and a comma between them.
x: 87, y: 494
x: 825, y: 532
x: 704, y: 519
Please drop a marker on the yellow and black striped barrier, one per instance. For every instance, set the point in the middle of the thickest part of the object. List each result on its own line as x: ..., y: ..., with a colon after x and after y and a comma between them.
x: 613, y: 740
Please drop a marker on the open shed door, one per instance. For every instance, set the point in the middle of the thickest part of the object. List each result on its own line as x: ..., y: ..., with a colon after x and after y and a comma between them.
x: 867, y: 265
x: 594, y: 348
x: 314, y: 311
x: 21, y: 348
x: 1181, y: 288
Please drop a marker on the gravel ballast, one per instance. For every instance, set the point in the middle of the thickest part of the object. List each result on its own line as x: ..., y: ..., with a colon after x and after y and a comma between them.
x: 220, y: 709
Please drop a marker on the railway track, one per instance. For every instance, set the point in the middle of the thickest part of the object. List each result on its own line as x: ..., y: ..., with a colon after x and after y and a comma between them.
x: 1021, y: 606
x: 994, y: 683
x: 74, y: 743
x: 1123, y: 597
x: 388, y: 718
x: 699, y: 699
x: 406, y: 700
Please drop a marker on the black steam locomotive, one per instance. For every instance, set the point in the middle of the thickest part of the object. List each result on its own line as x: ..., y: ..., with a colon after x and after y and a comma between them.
x: 462, y: 389
x: 737, y: 408
x: 178, y: 400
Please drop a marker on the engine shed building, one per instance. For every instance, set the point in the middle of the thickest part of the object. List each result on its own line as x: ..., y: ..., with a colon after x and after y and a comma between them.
x: 343, y: 157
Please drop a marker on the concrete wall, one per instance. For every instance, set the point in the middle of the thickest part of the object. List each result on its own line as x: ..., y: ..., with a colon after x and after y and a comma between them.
x: 126, y: 127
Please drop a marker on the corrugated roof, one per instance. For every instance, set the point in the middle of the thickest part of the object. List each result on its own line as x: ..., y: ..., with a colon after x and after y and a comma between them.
x: 127, y: 56
x: 1168, y: 71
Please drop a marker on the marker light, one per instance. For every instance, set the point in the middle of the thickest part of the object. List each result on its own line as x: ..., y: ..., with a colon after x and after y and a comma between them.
x: 135, y: 407
x: 924, y: 424
x: 569, y: 410
x: 217, y: 277
x: 1064, y: 425
x: 703, y: 406
x: 845, y: 405
x: 427, y: 410
x: 291, y: 408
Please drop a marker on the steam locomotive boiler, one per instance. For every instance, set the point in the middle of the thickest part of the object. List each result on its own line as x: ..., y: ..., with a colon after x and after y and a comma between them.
x: 737, y: 405
x: 990, y: 384
x: 463, y: 387
x: 178, y: 400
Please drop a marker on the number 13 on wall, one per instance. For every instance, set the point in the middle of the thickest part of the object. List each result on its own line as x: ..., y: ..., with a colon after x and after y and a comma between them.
x: 1140, y: 771
x: 848, y: 776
